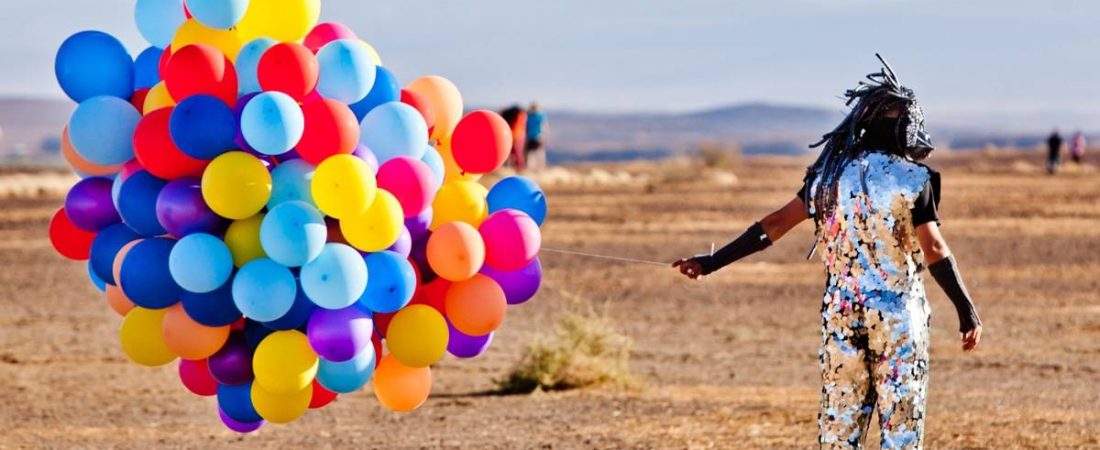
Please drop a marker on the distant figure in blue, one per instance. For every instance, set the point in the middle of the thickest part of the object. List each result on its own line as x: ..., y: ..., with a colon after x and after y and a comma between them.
x: 537, y: 129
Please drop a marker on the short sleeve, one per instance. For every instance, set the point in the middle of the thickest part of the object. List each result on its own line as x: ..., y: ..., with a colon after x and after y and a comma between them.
x: 801, y: 194
x: 925, y: 207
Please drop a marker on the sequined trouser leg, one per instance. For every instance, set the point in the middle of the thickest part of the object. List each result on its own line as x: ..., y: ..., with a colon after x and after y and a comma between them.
x: 874, y: 356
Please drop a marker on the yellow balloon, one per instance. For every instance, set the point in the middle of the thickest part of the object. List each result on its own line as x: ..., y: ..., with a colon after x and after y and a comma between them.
x: 157, y: 98
x: 451, y: 171
x: 236, y: 185
x: 378, y: 227
x: 192, y: 32
x: 281, y: 408
x: 445, y: 99
x: 142, y: 339
x: 284, y: 363
x: 460, y: 201
x: 373, y: 53
x: 282, y: 20
x: 343, y: 186
x: 243, y: 240
x: 417, y: 336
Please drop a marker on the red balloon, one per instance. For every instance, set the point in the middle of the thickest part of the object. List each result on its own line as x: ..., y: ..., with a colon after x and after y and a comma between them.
x: 321, y: 396
x: 421, y: 103
x: 382, y: 322
x: 138, y: 100
x: 195, y: 375
x: 331, y: 129
x: 154, y: 149
x: 326, y: 32
x: 377, y: 341
x: 481, y: 142
x: 162, y: 65
x: 289, y: 68
x: 69, y: 241
x: 433, y: 294
x: 201, y: 69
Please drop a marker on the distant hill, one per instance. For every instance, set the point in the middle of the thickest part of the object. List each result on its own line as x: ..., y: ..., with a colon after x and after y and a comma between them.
x: 31, y: 128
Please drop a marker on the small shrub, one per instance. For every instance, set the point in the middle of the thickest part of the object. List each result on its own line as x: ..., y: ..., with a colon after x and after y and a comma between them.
x: 719, y: 156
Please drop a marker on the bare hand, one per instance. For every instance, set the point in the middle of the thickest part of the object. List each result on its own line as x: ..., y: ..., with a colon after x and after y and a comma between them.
x: 689, y: 267
x: 971, y: 338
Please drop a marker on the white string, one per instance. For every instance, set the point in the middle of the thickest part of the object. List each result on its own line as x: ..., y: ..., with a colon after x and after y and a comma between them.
x: 613, y: 258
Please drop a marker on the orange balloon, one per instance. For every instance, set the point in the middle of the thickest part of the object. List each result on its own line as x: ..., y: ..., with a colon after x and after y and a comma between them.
x: 116, y: 267
x: 118, y: 301
x: 400, y: 388
x: 456, y: 251
x: 189, y: 339
x: 445, y: 101
x: 476, y: 306
x: 80, y: 164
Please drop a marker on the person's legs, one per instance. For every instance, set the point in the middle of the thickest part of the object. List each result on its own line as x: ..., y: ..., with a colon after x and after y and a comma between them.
x: 898, y: 338
x: 847, y: 397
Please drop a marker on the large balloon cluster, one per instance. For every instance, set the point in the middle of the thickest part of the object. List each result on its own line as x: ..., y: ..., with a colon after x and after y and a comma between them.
x: 263, y: 202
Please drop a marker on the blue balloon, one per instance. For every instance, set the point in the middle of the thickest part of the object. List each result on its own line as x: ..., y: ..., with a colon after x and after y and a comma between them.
x: 435, y: 162
x: 200, y: 263
x: 146, y: 279
x: 298, y: 315
x: 203, y: 127
x: 290, y: 181
x: 394, y: 130
x: 391, y: 285
x: 337, y: 278
x: 96, y: 280
x: 347, y: 376
x: 221, y: 14
x: 272, y: 123
x: 147, y: 68
x: 385, y: 89
x: 213, y: 309
x: 158, y: 20
x: 255, y: 332
x: 248, y: 63
x: 236, y: 402
x: 137, y: 203
x: 519, y: 193
x: 102, y: 130
x: 293, y: 233
x: 347, y: 71
x: 264, y: 290
x: 94, y: 63
x: 105, y: 247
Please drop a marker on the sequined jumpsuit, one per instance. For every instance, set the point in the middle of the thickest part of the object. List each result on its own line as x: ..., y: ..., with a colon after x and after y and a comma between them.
x: 874, y: 349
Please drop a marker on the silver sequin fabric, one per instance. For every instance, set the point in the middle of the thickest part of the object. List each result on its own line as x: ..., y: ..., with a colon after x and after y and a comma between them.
x: 874, y: 348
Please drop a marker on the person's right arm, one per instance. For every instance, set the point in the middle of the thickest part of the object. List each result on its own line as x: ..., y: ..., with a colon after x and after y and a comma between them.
x: 756, y: 238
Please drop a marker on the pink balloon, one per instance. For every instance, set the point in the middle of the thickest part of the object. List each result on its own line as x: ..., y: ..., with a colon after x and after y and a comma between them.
x: 512, y: 239
x: 327, y: 32
x: 410, y: 181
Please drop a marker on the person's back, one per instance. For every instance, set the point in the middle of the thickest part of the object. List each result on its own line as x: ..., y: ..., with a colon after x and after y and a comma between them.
x: 1054, y: 151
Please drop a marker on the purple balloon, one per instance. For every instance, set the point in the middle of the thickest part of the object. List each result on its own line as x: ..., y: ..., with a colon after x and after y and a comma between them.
x: 404, y: 244
x: 232, y: 365
x: 182, y: 211
x: 418, y: 224
x: 367, y: 155
x: 338, y: 335
x: 240, y: 427
x: 520, y: 285
x: 89, y: 204
x: 419, y: 255
x: 465, y: 346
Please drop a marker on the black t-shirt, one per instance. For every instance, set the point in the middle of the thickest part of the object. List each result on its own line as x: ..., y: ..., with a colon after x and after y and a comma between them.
x: 924, y: 207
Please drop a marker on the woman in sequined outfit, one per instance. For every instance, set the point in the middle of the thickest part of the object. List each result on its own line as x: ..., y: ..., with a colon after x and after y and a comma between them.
x: 874, y: 208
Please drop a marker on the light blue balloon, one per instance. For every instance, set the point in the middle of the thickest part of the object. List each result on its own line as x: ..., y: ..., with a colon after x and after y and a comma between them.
x: 293, y: 233
x: 519, y: 193
x: 347, y: 71
x: 272, y: 123
x: 264, y: 290
x: 337, y: 278
x: 147, y: 68
x: 290, y: 181
x: 393, y: 130
x: 96, y: 280
x: 221, y: 14
x: 392, y: 282
x: 347, y: 376
x: 157, y: 20
x: 435, y: 162
x: 200, y: 263
x: 248, y: 64
x: 102, y: 130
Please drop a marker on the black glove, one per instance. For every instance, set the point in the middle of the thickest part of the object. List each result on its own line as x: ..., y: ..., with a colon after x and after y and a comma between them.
x: 751, y: 241
x: 948, y: 277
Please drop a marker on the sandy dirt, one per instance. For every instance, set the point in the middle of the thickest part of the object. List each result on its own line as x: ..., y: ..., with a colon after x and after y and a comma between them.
x: 730, y: 362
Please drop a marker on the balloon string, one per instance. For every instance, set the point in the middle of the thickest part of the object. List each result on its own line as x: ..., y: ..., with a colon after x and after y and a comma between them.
x: 608, y: 257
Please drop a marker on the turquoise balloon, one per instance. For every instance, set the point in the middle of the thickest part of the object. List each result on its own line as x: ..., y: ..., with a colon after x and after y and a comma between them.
x: 200, y: 263
x: 293, y: 233
x: 157, y: 20
x: 264, y: 290
x: 272, y: 123
x: 290, y: 181
x: 435, y: 162
x: 392, y: 282
x: 394, y: 130
x: 102, y: 130
x: 347, y: 71
x: 92, y: 63
x: 248, y: 63
x: 337, y: 278
x: 221, y: 14
x: 347, y: 376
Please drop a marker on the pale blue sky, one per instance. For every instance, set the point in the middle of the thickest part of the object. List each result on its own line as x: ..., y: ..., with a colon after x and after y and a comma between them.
x: 962, y: 57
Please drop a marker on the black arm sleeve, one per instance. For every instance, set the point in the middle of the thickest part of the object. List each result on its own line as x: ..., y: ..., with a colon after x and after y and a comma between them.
x: 751, y: 241
x: 948, y: 277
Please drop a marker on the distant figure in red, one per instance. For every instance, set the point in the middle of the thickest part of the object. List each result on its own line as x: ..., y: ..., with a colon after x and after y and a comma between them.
x: 1077, y: 147
x: 517, y: 121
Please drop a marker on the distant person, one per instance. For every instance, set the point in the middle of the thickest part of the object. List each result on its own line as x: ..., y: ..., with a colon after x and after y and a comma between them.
x: 537, y: 129
x: 874, y: 207
x: 517, y: 121
x: 1077, y: 147
x: 1054, y: 151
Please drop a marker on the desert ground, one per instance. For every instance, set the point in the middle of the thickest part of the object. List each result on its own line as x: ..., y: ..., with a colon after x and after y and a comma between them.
x: 728, y: 362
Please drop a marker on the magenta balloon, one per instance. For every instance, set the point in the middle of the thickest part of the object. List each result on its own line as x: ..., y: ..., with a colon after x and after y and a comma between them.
x: 418, y: 224
x: 512, y: 239
x: 365, y: 154
x: 463, y: 346
x: 232, y: 365
x: 404, y: 244
x: 518, y: 285
x: 182, y: 211
x: 410, y: 181
x: 338, y: 335
x: 240, y: 427
x: 89, y: 204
